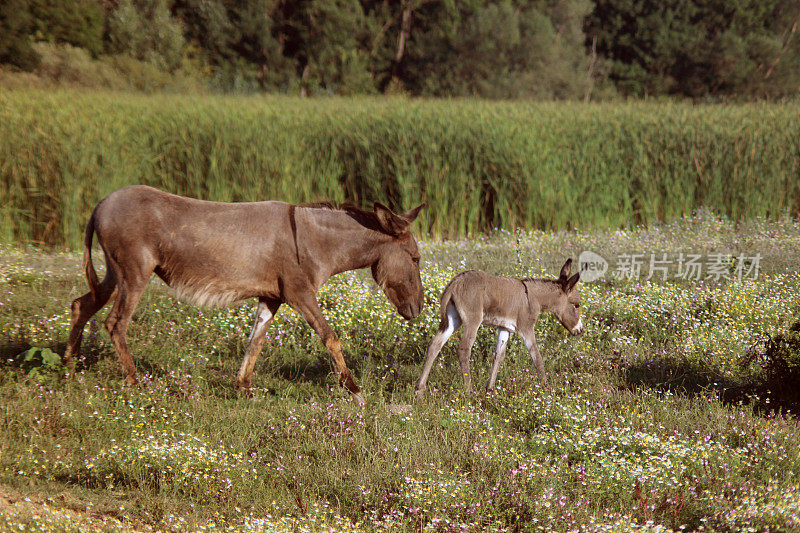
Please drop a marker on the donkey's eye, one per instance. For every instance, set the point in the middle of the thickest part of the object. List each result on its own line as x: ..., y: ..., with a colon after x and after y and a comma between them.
x: 577, y: 306
x: 415, y: 259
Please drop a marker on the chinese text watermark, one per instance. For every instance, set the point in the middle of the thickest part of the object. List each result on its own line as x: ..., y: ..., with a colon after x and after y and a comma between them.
x: 662, y: 266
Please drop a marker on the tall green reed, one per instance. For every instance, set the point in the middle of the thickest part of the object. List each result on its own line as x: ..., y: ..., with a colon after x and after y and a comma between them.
x: 479, y: 165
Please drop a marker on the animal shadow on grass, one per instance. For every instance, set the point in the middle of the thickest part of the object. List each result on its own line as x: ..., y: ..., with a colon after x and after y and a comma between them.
x: 297, y: 369
x: 310, y: 371
x: 776, y: 389
x: 678, y: 376
x: 10, y: 349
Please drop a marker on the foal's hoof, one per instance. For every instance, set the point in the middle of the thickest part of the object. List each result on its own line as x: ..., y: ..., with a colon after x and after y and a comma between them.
x: 359, y: 399
x: 398, y: 409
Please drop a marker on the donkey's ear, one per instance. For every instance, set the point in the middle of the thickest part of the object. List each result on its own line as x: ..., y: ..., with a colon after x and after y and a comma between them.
x: 571, y: 282
x: 565, y: 270
x: 391, y: 223
x: 411, y: 214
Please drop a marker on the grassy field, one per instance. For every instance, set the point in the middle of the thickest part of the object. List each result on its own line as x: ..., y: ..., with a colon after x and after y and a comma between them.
x: 661, y: 417
x: 479, y: 165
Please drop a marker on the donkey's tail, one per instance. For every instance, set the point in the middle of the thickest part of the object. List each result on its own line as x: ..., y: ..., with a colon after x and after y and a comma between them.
x: 88, y: 266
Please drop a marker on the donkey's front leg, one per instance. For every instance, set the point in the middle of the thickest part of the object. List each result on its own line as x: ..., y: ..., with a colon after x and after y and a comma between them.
x: 530, y: 343
x: 265, y: 311
x: 309, y: 309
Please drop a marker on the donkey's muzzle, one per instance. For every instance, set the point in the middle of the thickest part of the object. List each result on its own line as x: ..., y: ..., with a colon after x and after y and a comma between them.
x: 410, y: 310
x: 578, y: 329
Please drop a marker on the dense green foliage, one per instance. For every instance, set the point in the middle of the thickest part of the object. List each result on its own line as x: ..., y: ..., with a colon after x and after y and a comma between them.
x: 75, y: 22
x: 16, y: 24
x: 478, y: 165
x: 569, y: 49
x: 145, y: 30
x: 699, y: 47
x: 635, y: 433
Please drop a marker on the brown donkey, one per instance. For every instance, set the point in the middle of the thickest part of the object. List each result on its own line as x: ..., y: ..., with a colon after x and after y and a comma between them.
x: 473, y: 298
x: 214, y: 254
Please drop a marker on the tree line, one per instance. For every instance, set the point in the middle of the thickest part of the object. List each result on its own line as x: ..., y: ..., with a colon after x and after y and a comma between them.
x: 543, y: 49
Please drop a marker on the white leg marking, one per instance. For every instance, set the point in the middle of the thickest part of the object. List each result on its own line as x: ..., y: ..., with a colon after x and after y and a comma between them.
x: 261, y: 318
x: 502, y: 339
x: 499, y: 356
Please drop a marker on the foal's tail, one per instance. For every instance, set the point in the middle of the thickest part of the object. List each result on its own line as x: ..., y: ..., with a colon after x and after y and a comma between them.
x: 447, y: 295
x: 88, y: 266
x: 443, y: 322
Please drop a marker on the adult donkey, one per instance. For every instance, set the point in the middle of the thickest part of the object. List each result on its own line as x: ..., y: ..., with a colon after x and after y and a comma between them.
x: 473, y: 298
x: 214, y: 254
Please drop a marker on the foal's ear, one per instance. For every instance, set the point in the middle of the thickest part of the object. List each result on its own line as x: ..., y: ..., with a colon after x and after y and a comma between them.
x: 571, y: 282
x: 565, y: 271
x: 391, y: 223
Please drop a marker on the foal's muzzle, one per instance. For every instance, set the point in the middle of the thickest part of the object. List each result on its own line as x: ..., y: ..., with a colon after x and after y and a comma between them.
x: 578, y: 329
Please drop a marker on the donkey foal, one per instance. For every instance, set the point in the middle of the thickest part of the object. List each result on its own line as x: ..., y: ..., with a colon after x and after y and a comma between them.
x: 473, y: 298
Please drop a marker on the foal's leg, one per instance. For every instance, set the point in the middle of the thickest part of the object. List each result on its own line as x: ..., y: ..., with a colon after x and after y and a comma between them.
x: 308, y: 307
x: 498, y: 356
x: 83, y: 309
x: 464, y: 350
x: 265, y: 310
x: 530, y: 343
x: 449, y: 324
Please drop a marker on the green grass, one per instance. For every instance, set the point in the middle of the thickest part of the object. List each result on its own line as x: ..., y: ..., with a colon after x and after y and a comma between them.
x: 479, y: 165
x: 656, y: 419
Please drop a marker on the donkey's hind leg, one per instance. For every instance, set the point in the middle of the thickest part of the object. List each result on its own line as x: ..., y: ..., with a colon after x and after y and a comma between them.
x: 498, y: 356
x: 131, y: 282
x: 264, y: 312
x: 83, y: 309
x: 449, y: 324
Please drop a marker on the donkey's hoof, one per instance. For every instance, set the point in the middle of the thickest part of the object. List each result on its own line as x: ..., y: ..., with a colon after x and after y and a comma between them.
x: 132, y: 380
x: 244, y: 392
x: 69, y: 364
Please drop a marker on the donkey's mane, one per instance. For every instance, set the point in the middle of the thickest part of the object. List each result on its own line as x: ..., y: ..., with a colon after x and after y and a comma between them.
x: 327, y: 204
x: 365, y: 218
